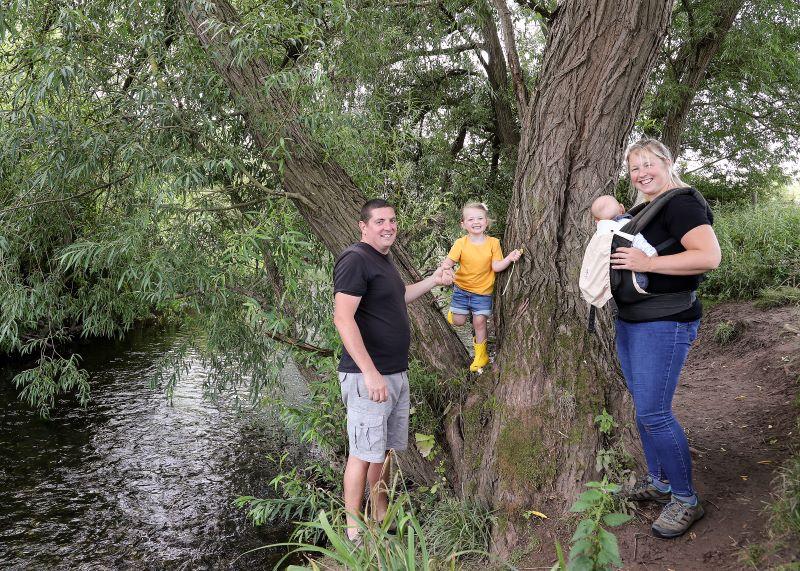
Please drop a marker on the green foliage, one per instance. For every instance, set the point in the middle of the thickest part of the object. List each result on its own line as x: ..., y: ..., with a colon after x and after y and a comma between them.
x: 52, y: 376
x: 727, y: 332
x: 778, y: 296
x: 741, y: 130
x: 593, y: 546
x: 400, y: 541
x: 605, y: 422
x: 784, y: 511
x: 303, y: 494
x: 454, y: 525
x: 320, y: 420
x: 760, y: 249
x: 405, y: 549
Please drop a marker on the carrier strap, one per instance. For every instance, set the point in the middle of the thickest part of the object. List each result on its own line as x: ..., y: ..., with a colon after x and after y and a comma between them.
x: 665, y: 244
x: 592, y: 313
x: 657, y: 305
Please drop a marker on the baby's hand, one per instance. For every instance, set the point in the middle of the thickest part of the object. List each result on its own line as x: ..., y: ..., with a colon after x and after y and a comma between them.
x: 515, y: 255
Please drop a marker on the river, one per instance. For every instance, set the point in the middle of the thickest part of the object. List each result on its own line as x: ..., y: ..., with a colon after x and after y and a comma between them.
x: 133, y: 481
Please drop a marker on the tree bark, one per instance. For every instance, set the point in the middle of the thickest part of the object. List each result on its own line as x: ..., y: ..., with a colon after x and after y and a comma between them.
x: 686, y: 73
x: 528, y: 433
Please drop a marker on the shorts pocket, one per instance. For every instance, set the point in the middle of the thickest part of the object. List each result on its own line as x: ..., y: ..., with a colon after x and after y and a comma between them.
x: 368, y: 433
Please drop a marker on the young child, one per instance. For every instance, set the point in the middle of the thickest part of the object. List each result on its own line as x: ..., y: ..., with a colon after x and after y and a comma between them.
x: 610, y: 215
x: 480, y: 257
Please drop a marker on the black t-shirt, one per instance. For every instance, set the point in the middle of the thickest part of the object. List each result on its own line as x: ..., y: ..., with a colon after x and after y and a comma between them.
x: 681, y: 214
x: 381, y: 316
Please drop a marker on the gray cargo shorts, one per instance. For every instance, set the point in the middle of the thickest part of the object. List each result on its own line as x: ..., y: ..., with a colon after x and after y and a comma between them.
x: 375, y: 427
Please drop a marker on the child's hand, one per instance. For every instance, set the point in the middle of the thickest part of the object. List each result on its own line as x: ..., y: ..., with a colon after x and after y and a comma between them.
x: 515, y: 255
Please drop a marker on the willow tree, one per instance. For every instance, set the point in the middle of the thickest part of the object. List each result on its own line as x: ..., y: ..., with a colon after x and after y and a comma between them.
x: 553, y: 376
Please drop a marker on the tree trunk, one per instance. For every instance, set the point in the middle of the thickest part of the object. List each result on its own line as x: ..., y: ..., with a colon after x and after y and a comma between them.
x: 529, y: 434
x: 687, y: 72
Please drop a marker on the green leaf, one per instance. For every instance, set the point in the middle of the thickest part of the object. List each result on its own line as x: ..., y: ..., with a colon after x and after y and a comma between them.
x: 585, y: 528
x: 610, y: 548
x: 582, y: 563
x: 615, y: 519
x: 581, y: 547
x: 425, y: 444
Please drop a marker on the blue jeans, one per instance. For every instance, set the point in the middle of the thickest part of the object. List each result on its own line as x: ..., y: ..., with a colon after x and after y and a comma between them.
x: 463, y: 302
x: 652, y: 354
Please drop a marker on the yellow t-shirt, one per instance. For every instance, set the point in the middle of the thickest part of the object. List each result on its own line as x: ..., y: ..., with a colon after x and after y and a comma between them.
x: 475, y: 272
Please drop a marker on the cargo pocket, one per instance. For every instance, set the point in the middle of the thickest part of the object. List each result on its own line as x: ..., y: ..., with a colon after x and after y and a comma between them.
x: 368, y: 432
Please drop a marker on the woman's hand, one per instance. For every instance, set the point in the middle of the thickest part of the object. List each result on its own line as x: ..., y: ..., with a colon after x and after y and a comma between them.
x: 632, y: 259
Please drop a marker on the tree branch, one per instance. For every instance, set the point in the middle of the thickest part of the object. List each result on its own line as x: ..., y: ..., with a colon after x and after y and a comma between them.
x: 292, y: 341
x: 512, y: 56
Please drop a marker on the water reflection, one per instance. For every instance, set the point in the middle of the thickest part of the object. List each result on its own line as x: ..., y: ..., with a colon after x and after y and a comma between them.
x: 132, y: 481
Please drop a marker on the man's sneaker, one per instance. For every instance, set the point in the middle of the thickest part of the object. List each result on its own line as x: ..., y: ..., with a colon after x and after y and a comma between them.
x: 645, y: 491
x: 676, y: 518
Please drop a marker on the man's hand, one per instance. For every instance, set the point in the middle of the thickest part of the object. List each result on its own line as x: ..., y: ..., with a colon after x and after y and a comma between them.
x: 376, y: 386
x: 443, y: 276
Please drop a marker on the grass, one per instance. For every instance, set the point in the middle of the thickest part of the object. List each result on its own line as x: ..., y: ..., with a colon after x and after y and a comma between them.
x: 778, y: 296
x: 727, y: 332
x: 784, y: 512
x: 760, y: 250
x: 456, y: 525
x: 449, y: 534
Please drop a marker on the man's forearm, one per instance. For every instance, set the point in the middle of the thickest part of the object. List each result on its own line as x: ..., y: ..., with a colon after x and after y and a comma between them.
x: 420, y: 288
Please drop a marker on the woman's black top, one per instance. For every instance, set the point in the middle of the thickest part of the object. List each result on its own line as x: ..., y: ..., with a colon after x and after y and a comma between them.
x: 680, y: 215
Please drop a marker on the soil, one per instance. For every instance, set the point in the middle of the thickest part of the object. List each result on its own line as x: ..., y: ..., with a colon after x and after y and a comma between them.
x: 737, y: 402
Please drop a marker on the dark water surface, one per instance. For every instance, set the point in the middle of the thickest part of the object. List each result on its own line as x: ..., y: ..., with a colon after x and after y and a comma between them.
x: 132, y: 481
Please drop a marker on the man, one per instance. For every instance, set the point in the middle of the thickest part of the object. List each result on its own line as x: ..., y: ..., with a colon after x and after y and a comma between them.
x: 371, y: 317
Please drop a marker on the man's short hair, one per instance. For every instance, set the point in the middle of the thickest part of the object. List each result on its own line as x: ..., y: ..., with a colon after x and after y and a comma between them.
x: 370, y: 205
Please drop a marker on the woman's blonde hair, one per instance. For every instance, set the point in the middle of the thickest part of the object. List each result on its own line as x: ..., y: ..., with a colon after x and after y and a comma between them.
x: 478, y: 206
x: 659, y: 149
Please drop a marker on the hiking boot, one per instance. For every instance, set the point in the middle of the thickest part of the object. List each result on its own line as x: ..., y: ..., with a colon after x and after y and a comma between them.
x: 676, y: 518
x: 645, y: 491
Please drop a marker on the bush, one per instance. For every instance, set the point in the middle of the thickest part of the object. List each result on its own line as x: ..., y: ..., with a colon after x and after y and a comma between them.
x: 760, y: 250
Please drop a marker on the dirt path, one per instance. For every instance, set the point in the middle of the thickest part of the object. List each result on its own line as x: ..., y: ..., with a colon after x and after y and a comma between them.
x: 737, y: 404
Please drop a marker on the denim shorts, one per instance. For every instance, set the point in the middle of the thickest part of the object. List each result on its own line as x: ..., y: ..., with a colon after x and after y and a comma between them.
x: 375, y: 427
x: 465, y: 302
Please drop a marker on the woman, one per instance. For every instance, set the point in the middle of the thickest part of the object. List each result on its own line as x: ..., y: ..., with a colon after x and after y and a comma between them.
x: 652, y: 352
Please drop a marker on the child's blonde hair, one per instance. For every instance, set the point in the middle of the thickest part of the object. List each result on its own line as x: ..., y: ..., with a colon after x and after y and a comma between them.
x: 478, y: 206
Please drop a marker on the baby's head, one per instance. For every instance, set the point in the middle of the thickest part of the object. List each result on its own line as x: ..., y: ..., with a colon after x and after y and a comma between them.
x: 606, y: 208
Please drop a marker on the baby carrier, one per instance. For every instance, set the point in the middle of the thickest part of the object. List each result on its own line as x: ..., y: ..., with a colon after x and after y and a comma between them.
x: 599, y: 282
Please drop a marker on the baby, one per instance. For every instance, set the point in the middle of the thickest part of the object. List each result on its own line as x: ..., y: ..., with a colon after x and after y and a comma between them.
x: 610, y: 215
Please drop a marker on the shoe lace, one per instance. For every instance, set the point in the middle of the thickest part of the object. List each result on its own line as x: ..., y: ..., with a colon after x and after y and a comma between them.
x: 673, y: 511
x: 641, y: 485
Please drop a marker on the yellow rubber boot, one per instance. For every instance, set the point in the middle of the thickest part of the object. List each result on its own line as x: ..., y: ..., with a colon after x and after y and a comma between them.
x: 481, y: 356
x: 450, y: 317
